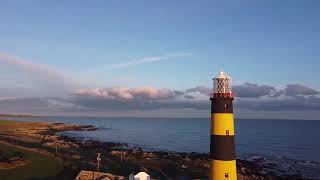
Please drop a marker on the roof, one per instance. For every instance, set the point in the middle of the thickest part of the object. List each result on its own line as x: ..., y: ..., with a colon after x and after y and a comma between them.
x: 142, y: 176
x: 222, y: 75
x: 88, y: 175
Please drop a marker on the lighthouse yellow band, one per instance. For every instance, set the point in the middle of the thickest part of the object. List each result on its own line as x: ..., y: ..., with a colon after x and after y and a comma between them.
x: 222, y: 124
x: 220, y: 170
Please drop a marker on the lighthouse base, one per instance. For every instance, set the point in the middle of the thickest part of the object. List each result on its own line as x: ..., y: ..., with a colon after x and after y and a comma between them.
x: 221, y: 170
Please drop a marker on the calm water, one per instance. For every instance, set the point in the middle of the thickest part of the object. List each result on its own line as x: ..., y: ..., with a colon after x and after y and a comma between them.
x: 277, y: 140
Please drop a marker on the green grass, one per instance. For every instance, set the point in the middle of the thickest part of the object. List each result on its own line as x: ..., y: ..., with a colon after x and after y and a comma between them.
x: 38, y: 167
x: 9, y: 122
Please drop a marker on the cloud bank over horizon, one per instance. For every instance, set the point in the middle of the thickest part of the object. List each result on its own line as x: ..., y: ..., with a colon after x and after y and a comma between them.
x: 105, y: 101
x: 248, y: 96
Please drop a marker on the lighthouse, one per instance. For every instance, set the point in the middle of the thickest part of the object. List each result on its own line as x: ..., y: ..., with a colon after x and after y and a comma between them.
x: 222, y: 147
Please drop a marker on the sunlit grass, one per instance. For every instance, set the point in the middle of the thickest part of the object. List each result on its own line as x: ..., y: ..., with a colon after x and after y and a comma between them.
x: 38, y: 166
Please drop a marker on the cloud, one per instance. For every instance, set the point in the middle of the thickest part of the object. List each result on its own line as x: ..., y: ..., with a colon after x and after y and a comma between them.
x: 145, y: 99
x: 199, y: 89
x: 24, y: 65
x: 94, y: 106
x: 280, y: 104
x: 41, y: 79
x: 24, y: 78
x: 39, y: 105
x: 126, y: 94
x: 249, y: 96
x: 197, y: 93
x: 267, y: 98
x: 145, y: 60
x: 178, y: 93
x: 297, y: 89
x: 250, y: 90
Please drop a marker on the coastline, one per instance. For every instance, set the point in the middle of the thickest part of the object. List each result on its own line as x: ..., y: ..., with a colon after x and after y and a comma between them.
x: 117, y: 158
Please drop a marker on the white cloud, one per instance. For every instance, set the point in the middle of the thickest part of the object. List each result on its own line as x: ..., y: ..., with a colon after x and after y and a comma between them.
x: 123, y: 93
x: 37, y: 78
x: 150, y: 59
x: 26, y: 65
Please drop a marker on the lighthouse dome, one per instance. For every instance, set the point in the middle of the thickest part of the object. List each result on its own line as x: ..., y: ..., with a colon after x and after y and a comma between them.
x: 222, y: 75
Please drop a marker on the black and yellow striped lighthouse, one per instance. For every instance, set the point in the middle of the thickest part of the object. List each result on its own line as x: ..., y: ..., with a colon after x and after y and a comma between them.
x: 222, y: 148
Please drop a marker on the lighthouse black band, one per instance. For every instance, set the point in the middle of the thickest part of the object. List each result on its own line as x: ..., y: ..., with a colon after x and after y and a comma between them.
x: 223, y: 105
x: 222, y: 148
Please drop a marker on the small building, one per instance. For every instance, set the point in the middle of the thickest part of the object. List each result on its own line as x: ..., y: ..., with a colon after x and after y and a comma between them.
x: 90, y: 175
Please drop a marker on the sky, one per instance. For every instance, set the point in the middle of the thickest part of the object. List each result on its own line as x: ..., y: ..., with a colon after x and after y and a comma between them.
x: 157, y: 58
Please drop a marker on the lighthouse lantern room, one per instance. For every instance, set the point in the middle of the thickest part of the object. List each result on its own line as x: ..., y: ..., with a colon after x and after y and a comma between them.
x: 222, y: 86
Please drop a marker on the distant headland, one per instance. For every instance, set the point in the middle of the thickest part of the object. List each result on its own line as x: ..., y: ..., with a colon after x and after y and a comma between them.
x: 19, y: 115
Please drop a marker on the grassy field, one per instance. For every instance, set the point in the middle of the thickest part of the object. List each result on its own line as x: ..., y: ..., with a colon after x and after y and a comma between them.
x: 15, y: 141
x: 8, y: 122
x: 7, y: 125
x: 38, y: 167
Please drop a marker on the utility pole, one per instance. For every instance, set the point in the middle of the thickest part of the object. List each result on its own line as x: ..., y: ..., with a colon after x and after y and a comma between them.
x: 56, y: 143
x: 98, y: 161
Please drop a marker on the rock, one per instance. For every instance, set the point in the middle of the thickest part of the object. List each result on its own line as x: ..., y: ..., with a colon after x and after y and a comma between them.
x: 118, y: 153
x: 149, y: 155
x: 19, y: 163
x: 249, y: 177
x: 76, y: 156
x: 15, y: 158
x: 13, y: 163
x: 244, y: 170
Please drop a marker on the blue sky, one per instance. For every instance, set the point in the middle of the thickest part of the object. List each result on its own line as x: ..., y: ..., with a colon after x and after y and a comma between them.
x: 264, y: 42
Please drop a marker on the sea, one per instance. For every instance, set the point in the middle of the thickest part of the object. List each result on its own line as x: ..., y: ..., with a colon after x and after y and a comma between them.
x: 285, y: 146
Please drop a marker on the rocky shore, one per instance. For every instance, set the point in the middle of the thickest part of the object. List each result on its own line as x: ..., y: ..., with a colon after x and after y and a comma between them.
x: 161, y: 164
x: 117, y: 158
x: 12, y: 163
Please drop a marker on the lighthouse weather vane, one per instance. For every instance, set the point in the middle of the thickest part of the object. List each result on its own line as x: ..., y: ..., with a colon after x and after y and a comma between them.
x: 222, y: 147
